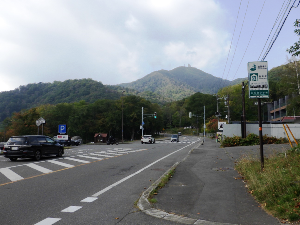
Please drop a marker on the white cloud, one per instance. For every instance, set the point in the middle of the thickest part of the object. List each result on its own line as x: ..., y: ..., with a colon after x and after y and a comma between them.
x: 115, y: 41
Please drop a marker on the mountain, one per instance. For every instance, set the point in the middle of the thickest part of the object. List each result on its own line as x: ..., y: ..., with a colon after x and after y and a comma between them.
x: 36, y: 94
x: 158, y: 87
x: 179, y: 83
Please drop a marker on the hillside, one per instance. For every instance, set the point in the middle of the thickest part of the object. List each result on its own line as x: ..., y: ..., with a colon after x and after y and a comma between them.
x: 32, y: 95
x: 158, y: 87
x: 179, y: 83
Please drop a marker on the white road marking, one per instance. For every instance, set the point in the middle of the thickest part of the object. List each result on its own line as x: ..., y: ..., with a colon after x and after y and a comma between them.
x: 139, y: 171
x: 48, y: 221
x: 61, y: 163
x: 102, y: 155
x: 10, y: 174
x: 90, y: 157
x: 77, y: 160
x: 89, y: 199
x: 38, y: 168
x: 72, y: 209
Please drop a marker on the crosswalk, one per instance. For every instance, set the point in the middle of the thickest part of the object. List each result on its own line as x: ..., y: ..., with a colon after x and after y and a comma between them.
x: 72, y: 158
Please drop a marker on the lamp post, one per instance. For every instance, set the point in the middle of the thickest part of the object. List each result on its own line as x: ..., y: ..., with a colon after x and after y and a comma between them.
x: 122, y: 116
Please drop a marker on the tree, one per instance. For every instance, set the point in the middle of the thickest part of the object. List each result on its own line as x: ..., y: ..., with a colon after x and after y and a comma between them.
x: 294, y: 50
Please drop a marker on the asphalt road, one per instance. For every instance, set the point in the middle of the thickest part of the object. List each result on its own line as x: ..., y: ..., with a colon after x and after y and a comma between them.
x: 90, y: 184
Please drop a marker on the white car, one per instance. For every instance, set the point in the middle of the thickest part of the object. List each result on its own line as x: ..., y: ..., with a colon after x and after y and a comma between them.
x: 147, y: 139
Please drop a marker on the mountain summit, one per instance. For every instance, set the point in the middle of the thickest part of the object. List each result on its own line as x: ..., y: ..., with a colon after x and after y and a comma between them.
x: 179, y: 83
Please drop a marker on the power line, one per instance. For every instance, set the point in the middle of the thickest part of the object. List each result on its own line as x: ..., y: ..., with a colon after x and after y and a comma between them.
x: 279, y: 14
x: 271, y: 45
x: 237, y: 41
x: 232, y: 38
x: 250, y: 38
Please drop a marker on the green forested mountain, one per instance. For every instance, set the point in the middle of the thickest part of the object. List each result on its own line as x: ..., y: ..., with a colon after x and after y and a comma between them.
x: 179, y: 83
x: 158, y: 87
x: 32, y: 95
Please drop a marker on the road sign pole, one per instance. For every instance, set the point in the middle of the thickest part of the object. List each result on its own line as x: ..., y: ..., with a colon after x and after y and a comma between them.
x: 260, y: 136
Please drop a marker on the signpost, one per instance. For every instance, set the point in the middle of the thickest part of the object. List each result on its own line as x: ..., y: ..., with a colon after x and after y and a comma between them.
x: 62, y: 129
x: 40, y: 121
x: 258, y: 79
x: 259, y: 88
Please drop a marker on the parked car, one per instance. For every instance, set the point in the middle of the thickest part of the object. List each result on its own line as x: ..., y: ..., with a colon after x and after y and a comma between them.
x: 31, y: 146
x: 147, y: 139
x: 111, y: 140
x: 2, y: 145
x: 174, y: 138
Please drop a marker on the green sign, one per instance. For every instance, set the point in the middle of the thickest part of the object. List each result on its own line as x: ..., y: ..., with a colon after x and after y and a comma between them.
x: 258, y: 79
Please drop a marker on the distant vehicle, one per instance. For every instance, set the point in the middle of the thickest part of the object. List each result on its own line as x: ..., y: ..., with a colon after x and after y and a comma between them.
x: 179, y: 133
x: 69, y: 142
x: 2, y: 145
x: 31, y: 146
x: 111, y: 140
x: 175, y: 138
x: 148, y: 139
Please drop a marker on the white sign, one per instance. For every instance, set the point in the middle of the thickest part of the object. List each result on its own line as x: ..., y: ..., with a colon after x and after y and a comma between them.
x: 221, y: 125
x: 62, y: 137
x: 40, y: 121
x: 258, y: 79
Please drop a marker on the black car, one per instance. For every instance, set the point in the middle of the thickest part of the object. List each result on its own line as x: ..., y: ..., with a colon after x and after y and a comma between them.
x: 111, y: 140
x: 31, y: 146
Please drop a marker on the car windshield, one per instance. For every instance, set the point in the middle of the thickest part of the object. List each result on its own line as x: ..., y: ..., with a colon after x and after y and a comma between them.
x: 17, y: 141
x: 174, y: 136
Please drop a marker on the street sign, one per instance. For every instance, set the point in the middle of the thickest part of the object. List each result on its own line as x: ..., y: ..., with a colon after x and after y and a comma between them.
x: 62, y: 128
x: 258, y: 79
x: 40, y: 121
x: 221, y: 125
x: 62, y: 137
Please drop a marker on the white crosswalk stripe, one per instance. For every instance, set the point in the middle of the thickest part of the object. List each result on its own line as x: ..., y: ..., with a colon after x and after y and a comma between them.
x: 60, y: 163
x: 102, y: 155
x: 38, y: 168
x: 76, y: 160
x: 10, y: 174
x: 89, y: 157
x: 86, y: 154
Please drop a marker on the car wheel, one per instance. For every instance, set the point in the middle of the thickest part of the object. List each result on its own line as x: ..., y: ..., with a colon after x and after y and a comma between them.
x: 37, y: 155
x: 142, y: 142
x: 59, y: 153
x: 13, y: 158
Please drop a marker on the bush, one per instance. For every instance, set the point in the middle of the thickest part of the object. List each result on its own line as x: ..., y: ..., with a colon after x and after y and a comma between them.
x: 251, y: 139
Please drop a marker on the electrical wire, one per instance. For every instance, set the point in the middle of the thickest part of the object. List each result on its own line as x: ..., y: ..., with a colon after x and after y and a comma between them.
x: 271, y: 44
x: 279, y: 14
x: 232, y: 38
x: 250, y: 38
x: 238, y: 40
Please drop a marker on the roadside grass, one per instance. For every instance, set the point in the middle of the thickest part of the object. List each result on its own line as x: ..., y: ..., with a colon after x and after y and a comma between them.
x: 161, y: 184
x: 277, y: 187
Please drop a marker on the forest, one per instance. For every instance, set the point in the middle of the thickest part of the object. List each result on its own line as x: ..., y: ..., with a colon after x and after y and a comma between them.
x: 105, y: 115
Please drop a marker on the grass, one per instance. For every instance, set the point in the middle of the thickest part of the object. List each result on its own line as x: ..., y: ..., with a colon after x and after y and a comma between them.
x: 161, y: 184
x: 277, y: 187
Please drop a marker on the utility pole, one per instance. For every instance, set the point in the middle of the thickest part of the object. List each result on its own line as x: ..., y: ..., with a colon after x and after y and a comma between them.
x: 243, y: 124
x: 122, y: 117
x: 204, y: 125
x: 142, y: 121
x: 228, y: 109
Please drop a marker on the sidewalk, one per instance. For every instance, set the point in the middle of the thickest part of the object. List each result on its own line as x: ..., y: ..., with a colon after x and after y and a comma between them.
x: 206, y: 189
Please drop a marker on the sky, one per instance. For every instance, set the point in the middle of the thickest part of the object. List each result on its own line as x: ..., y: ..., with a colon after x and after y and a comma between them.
x: 120, y: 41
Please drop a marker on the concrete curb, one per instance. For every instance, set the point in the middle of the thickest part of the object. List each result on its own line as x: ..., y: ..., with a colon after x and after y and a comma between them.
x: 145, y: 206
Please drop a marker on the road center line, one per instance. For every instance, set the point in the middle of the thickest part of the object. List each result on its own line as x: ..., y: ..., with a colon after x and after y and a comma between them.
x: 139, y: 171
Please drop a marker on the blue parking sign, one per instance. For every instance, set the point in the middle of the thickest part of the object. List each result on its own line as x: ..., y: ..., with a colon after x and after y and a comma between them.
x: 62, y: 128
